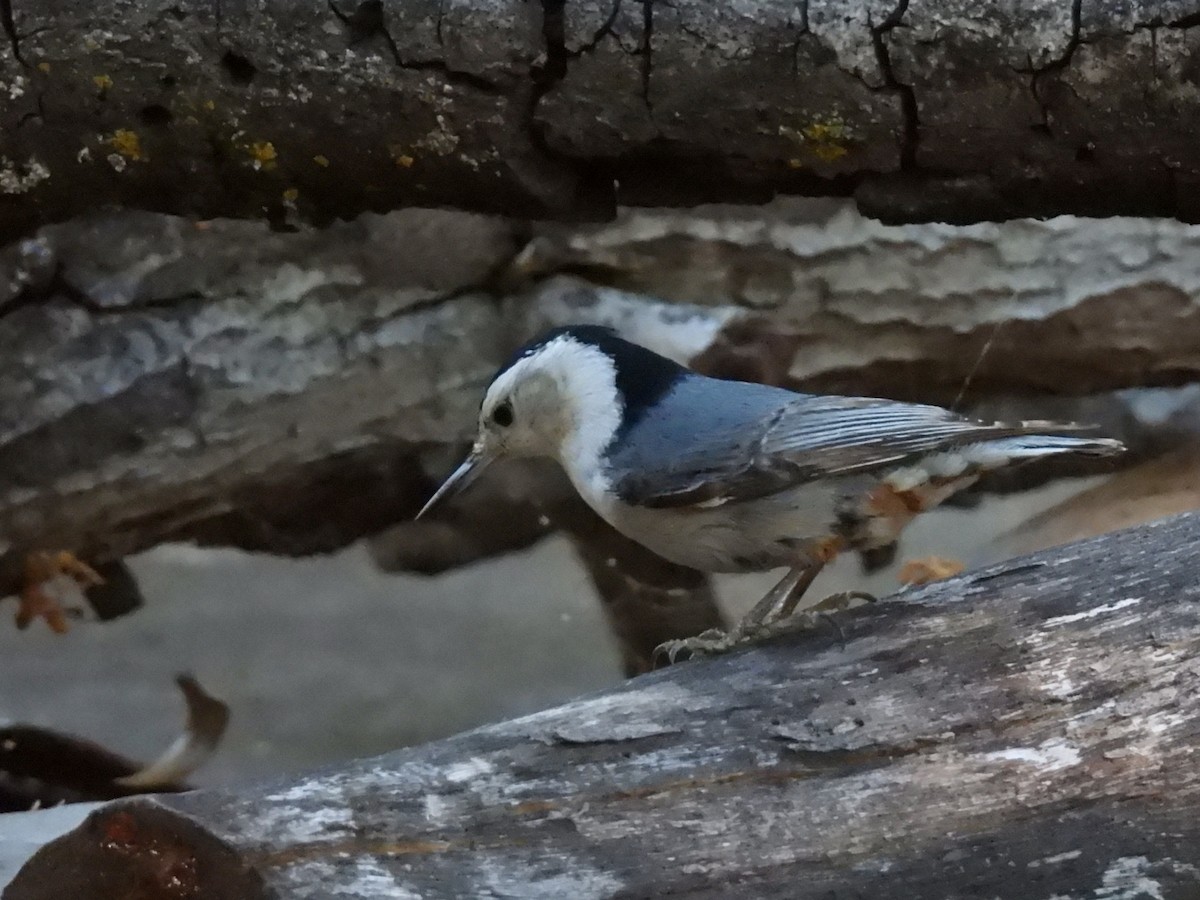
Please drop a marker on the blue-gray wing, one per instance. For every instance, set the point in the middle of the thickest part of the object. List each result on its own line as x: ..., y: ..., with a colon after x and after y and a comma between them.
x: 719, y: 441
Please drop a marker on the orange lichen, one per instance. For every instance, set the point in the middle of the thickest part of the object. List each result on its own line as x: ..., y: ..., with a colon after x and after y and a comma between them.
x: 400, y: 155
x: 927, y: 569
x: 38, y: 598
x: 102, y: 82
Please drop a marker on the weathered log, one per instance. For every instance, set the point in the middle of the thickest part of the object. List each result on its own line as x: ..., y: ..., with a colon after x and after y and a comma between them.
x: 1025, y: 731
x: 320, y: 109
x: 162, y: 380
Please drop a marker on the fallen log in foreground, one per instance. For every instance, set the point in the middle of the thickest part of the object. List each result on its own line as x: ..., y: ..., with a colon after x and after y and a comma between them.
x: 1026, y: 731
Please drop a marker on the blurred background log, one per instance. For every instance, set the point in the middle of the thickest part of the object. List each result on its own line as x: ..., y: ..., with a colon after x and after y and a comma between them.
x: 1022, y: 731
x: 220, y: 383
x: 165, y: 380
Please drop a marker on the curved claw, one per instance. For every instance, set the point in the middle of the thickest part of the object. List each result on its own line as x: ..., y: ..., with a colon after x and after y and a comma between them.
x: 842, y: 600
x: 714, y: 640
x: 669, y: 649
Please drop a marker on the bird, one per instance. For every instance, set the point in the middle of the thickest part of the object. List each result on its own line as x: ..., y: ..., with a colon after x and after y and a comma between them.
x: 733, y: 476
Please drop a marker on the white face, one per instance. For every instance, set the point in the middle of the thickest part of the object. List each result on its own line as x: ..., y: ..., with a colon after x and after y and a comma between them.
x: 560, y: 401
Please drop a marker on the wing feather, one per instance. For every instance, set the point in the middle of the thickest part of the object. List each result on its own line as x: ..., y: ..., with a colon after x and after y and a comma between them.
x: 793, y: 439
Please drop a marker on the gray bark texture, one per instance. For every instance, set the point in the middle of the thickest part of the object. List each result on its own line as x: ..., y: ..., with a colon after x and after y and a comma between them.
x: 323, y: 109
x: 1023, y: 732
x: 290, y: 393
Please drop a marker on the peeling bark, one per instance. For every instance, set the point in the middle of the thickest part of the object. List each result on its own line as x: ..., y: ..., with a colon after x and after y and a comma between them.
x: 1026, y: 731
x: 290, y: 393
x: 316, y: 110
x: 832, y: 301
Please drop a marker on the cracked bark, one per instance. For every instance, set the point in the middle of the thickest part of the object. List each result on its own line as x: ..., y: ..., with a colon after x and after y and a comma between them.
x: 1021, y: 732
x: 911, y: 135
x: 291, y: 393
x: 315, y: 111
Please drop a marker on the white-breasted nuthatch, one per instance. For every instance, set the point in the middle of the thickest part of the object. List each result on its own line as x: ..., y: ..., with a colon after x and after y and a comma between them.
x: 730, y: 476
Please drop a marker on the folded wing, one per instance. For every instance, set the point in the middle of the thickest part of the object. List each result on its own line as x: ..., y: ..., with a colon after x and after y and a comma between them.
x: 752, y: 447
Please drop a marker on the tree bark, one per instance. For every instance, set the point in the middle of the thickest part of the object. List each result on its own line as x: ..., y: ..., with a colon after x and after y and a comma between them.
x: 1026, y: 731
x: 290, y: 393
x: 323, y: 109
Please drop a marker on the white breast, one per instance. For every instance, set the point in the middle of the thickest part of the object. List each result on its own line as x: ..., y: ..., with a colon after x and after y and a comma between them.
x: 735, y: 537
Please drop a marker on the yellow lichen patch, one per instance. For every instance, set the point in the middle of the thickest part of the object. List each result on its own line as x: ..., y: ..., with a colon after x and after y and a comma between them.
x: 400, y: 156
x: 44, y: 67
x: 291, y: 195
x: 210, y: 105
x: 321, y: 161
x: 102, y: 82
x: 826, y: 139
x: 262, y: 155
x: 127, y: 143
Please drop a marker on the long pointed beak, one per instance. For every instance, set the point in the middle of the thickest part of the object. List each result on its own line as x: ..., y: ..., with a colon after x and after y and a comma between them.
x: 460, y: 479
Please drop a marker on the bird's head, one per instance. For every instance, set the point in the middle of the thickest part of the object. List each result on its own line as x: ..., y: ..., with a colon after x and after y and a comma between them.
x: 565, y: 396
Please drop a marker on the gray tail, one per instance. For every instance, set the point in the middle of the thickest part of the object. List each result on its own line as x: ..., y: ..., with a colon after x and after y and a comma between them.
x: 1036, y: 446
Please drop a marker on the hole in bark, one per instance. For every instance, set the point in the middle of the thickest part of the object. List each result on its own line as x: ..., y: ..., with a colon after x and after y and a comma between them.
x: 155, y: 115
x: 1085, y: 152
x: 240, y: 69
x: 177, y: 13
x: 168, y: 81
x: 1041, y: 128
x: 365, y: 21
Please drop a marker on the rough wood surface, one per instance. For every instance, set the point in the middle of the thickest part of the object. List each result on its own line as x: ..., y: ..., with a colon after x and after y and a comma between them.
x: 166, y: 380
x: 319, y: 109
x: 1027, y: 731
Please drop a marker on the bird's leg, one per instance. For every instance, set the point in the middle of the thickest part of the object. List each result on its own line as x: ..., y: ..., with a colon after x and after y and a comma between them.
x: 781, y: 601
x: 775, y: 613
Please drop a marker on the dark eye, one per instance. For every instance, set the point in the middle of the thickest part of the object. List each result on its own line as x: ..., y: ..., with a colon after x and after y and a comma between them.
x: 502, y: 415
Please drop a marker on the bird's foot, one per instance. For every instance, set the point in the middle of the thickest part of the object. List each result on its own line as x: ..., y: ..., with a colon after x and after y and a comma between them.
x: 751, y: 631
x: 927, y: 569
x: 706, y: 643
x: 44, y: 572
